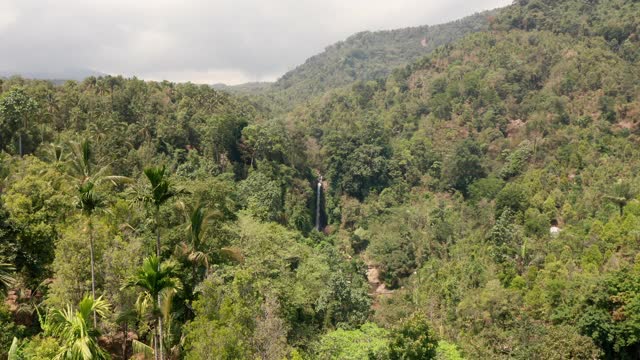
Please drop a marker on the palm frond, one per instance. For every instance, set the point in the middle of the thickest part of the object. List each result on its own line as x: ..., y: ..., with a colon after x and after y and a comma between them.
x: 161, y: 187
x: 116, y: 179
x: 167, y: 302
x: 233, y: 253
x: 140, y: 348
x: 6, y: 278
x: 127, y: 316
x: 13, y: 350
x: 88, y: 199
x: 87, y: 306
x: 78, y: 340
x: 198, y: 221
x: 82, y: 167
x: 200, y: 258
x: 154, y: 277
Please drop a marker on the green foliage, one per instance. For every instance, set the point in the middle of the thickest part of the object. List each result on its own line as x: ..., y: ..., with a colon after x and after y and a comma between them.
x: 37, y: 201
x: 346, y: 302
x: 442, y: 177
x: 225, y: 319
x: 464, y: 167
x: 447, y: 351
x: 557, y: 342
x: 611, y: 314
x: 161, y: 188
x: 6, y: 277
x: 367, y: 342
x: 17, y: 108
x: 512, y: 197
x: 487, y: 188
x: 40, y: 348
x: 413, y: 340
x: 72, y: 266
x: 261, y: 196
x: 8, y: 330
x: 535, y: 223
x: 154, y: 278
x: 368, y: 56
x: 516, y: 161
x: 77, y: 338
x: 13, y: 350
x: 357, y: 159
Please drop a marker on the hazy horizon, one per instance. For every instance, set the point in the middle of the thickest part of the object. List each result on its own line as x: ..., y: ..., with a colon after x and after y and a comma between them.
x: 229, y: 42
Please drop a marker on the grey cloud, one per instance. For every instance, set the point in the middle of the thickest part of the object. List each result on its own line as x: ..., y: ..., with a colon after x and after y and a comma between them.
x: 197, y: 40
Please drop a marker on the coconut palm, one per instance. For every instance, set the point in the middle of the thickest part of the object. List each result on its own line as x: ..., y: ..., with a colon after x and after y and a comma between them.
x: 193, y: 250
x: 6, y: 279
x: 155, y: 279
x: 82, y: 168
x: 78, y: 339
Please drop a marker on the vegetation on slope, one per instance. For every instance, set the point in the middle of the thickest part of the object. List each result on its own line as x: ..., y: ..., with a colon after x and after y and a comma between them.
x: 371, y: 55
x: 446, y: 177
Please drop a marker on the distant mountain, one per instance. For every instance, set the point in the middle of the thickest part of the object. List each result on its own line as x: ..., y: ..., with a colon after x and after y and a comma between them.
x: 372, y: 55
x: 248, y: 88
x: 77, y: 74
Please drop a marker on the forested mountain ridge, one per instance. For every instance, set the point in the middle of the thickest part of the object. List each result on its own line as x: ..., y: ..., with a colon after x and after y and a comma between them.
x: 447, y: 177
x: 466, y: 158
x: 372, y: 55
x: 364, y: 56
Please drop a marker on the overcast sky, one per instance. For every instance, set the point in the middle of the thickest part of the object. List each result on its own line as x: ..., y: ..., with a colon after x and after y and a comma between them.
x: 215, y: 41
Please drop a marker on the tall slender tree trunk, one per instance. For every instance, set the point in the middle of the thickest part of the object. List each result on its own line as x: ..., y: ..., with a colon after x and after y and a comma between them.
x: 124, y: 340
x: 22, y: 131
x: 93, y: 273
x: 160, y: 332
x: 621, y: 207
x: 159, y: 263
x: 158, y: 235
x: 156, y: 340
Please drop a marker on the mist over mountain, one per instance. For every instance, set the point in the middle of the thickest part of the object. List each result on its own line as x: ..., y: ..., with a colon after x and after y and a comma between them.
x: 58, y: 75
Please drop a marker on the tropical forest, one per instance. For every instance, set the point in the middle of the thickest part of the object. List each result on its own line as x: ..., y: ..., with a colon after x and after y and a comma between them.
x: 468, y: 190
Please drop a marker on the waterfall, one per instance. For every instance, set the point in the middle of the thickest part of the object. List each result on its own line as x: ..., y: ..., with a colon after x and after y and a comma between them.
x: 318, y: 199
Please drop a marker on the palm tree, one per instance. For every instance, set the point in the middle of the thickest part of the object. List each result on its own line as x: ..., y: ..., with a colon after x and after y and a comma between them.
x: 161, y: 191
x: 89, y: 201
x: 82, y: 168
x: 79, y: 341
x: 6, y: 279
x: 124, y: 319
x: 621, y: 194
x: 155, y: 279
x: 193, y: 250
x: 190, y: 252
x: 55, y: 155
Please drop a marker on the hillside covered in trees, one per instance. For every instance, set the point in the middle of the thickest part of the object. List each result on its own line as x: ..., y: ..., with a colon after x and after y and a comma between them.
x: 372, y: 55
x: 482, y: 202
x: 363, y: 56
